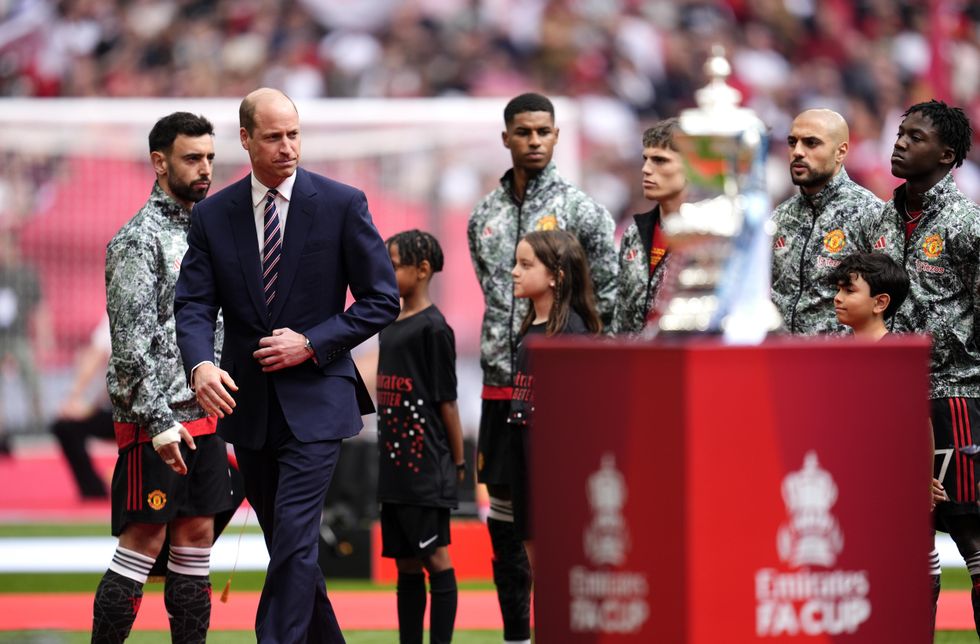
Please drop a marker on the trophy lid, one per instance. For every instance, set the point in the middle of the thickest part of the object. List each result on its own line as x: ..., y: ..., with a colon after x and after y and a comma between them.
x: 718, y: 112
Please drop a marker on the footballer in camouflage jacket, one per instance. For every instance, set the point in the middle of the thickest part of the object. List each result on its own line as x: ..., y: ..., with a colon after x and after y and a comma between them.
x: 496, y: 226
x: 941, y: 258
x: 813, y: 233
x: 640, y: 275
x: 146, y: 378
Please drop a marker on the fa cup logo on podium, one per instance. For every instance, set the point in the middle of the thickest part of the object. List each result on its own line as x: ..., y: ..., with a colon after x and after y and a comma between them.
x: 801, y: 600
x: 812, y: 535
x: 604, y: 600
x: 607, y: 539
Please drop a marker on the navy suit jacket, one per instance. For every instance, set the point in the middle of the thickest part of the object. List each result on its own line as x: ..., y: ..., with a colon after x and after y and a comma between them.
x: 330, y: 244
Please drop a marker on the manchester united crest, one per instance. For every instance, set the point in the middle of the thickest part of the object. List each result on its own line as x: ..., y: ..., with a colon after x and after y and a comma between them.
x: 834, y: 241
x: 548, y: 222
x: 933, y: 246
x: 156, y: 499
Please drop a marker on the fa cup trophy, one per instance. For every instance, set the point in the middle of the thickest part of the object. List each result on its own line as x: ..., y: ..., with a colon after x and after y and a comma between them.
x: 720, y: 242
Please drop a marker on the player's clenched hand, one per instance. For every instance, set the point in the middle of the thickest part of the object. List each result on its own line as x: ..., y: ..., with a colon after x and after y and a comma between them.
x: 284, y: 348
x: 938, y: 493
x: 211, y: 386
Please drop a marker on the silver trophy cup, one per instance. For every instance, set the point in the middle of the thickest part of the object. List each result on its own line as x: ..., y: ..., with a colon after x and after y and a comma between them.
x: 720, y: 241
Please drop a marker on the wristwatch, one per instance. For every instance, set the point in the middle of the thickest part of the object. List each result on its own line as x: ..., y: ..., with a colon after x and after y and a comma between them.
x: 309, y: 347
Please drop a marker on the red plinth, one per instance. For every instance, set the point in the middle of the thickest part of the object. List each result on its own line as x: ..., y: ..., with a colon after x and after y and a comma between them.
x: 698, y: 493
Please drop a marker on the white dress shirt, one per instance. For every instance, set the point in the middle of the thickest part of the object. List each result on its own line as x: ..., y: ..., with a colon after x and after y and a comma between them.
x: 285, y: 190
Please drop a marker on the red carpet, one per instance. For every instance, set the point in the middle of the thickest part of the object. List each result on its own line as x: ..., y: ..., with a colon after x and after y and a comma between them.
x: 955, y: 611
x: 356, y: 611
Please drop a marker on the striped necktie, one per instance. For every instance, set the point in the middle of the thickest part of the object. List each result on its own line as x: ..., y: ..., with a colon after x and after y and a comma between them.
x: 272, y: 249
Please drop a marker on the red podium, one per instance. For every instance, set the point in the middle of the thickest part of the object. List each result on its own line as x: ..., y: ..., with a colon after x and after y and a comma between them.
x: 704, y: 494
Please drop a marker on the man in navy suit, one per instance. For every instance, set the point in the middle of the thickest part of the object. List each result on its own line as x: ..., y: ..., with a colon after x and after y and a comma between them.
x: 276, y: 252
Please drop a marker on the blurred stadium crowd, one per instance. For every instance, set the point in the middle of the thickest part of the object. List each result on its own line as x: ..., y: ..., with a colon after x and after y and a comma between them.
x: 629, y: 61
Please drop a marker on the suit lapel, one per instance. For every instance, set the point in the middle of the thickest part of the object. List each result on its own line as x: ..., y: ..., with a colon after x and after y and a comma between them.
x: 298, y: 222
x: 241, y: 220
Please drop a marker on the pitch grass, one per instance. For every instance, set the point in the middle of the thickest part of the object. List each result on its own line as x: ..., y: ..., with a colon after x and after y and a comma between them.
x: 953, y: 579
x: 250, y: 580
x: 24, y: 530
x: 942, y: 637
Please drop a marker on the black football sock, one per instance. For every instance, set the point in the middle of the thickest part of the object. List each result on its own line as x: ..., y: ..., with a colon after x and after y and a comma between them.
x: 187, y: 594
x: 965, y: 532
x: 973, y: 566
x: 975, y: 598
x: 117, y: 600
x: 512, y: 577
x: 411, y: 607
x: 188, y: 602
x: 442, y: 614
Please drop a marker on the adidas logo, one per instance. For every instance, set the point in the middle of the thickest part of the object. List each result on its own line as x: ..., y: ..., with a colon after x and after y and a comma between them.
x: 881, y: 244
x: 779, y: 244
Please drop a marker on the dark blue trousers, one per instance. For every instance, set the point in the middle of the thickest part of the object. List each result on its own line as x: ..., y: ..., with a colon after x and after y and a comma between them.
x: 286, y: 482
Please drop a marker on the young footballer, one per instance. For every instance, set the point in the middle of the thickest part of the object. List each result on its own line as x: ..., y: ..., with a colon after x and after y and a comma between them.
x: 643, y: 254
x: 936, y: 230
x: 420, y: 442
x: 532, y: 195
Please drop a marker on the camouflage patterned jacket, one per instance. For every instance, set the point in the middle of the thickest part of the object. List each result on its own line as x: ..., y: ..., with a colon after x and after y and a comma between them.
x: 146, y: 378
x: 637, y: 286
x: 941, y: 258
x: 496, y: 226
x: 813, y: 233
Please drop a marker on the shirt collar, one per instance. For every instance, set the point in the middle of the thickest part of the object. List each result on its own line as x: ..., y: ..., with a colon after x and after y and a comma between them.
x: 829, y: 191
x: 933, y: 198
x: 546, y: 176
x: 285, y: 189
x: 167, y: 205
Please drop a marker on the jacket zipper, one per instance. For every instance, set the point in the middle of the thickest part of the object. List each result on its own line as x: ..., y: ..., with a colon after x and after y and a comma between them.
x: 799, y: 292
x: 513, y: 300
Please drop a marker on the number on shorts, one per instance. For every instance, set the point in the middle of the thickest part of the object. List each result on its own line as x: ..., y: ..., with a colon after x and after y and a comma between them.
x: 947, y: 455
